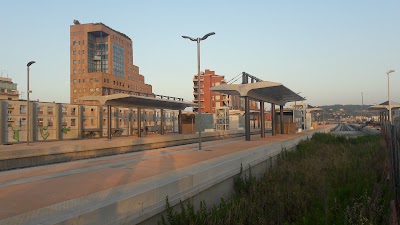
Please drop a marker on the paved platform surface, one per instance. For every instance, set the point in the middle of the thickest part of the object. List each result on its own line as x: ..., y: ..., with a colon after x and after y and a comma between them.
x: 25, y: 191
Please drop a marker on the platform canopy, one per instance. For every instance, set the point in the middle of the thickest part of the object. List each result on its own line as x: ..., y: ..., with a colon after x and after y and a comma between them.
x: 127, y: 100
x: 385, y: 106
x: 267, y: 91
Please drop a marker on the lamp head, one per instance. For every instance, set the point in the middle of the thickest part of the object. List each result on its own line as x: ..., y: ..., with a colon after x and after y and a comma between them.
x: 190, y: 38
x: 30, y: 63
x: 390, y: 71
x: 207, y: 35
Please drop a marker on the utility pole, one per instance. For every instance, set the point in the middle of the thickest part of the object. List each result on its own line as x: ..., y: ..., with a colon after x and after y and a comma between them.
x: 362, y: 106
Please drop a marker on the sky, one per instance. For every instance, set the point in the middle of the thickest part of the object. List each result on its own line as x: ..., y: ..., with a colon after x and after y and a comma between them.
x: 330, y: 51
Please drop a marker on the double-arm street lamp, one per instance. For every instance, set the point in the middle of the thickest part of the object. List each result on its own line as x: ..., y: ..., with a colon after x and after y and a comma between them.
x: 198, y: 77
x: 390, y: 106
x: 28, y: 107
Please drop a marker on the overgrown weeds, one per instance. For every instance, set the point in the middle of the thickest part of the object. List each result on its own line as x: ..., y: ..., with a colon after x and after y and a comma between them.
x: 327, y: 180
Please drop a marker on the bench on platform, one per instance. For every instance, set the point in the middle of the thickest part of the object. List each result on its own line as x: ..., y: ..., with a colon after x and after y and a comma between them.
x: 91, y: 132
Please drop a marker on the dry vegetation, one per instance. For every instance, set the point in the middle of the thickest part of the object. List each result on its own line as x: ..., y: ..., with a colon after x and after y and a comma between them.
x: 327, y: 180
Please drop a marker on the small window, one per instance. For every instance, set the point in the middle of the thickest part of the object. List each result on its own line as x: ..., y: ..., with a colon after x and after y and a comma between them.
x: 74, y: 80
x: 74, y: 99
x: 74, y: 62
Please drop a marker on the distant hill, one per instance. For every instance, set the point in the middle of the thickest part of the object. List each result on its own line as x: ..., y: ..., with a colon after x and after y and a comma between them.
x: 351, y: 110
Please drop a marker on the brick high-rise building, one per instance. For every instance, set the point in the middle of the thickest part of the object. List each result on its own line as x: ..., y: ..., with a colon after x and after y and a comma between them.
x: 101, y: 62
x: 211, y: 100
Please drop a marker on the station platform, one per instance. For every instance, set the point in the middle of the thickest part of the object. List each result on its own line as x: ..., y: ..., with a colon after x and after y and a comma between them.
x: 126, y: 188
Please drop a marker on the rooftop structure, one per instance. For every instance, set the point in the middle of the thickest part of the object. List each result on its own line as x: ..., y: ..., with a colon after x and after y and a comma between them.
x: 8, y: 89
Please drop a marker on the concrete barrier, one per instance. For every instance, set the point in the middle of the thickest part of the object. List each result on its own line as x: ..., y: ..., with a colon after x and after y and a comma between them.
x: 75, y: 150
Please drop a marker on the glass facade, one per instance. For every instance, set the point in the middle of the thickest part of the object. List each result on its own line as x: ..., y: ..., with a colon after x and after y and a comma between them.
x: 97, y: 52
x: 118, y: 60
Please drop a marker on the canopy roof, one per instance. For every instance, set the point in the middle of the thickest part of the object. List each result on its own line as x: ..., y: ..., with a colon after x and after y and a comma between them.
x: 267, y: 91
x: 127, y: 100
x: 316, y: 110
x: 385, y: 106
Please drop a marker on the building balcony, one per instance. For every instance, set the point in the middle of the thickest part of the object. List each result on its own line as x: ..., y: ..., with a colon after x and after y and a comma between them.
x: 195, y: 78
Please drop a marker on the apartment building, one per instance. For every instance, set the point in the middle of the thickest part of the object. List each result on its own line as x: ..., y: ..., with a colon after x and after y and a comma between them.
x: 210, y: 101
x: 8, y: 89
x: 102, y: 63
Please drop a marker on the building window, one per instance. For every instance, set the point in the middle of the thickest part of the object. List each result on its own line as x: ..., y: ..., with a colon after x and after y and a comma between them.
x: 74, y: 99
x: 91, y: 80
x: 96, y: 79
x: 91, y: 89
x: 118, y: 57
x: 74, y: 62
x: 50, y: 122
x: 74, y: 71
x: 74, y: 52
x: 74, y: 90
x: 74, y: 80
x: 97, y: 89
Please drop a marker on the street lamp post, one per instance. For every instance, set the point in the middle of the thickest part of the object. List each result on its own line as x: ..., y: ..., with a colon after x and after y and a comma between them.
x: 28, y: 107
x: 390, y: 107
x: 198, y: 76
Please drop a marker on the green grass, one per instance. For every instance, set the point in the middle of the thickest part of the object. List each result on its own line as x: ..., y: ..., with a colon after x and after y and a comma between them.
x: 327, y: 180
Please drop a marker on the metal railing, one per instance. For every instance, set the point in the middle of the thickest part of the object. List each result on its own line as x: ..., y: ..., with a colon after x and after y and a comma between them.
x: 391, y: 135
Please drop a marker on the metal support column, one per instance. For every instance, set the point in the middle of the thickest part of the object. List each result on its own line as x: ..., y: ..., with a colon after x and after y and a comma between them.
x: 109, y: 122
x: 180, y: 122
x: 139, y: 121
x: 262, y: 118
x: 273, y: 119
x: 281, y: 119
x: 162, y: 121
x: 247, y: 117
